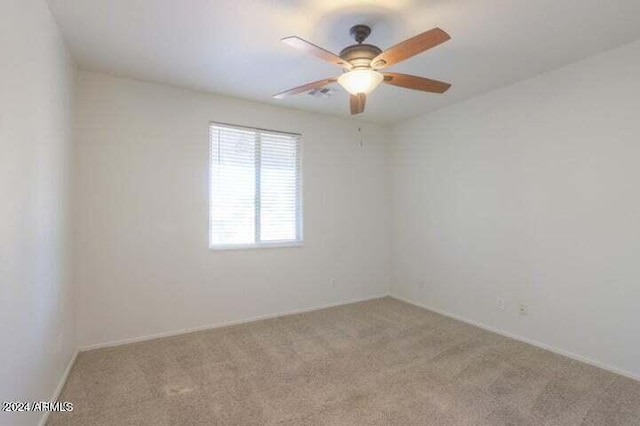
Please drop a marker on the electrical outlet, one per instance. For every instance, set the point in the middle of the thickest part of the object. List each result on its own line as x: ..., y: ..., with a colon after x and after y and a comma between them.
x: 500, y: 303
x: 523, y: 309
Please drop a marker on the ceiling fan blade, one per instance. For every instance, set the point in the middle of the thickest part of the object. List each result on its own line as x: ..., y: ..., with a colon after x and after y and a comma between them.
x: 305, y: 87
x: 416, y: 83
x: 357, y: 103
x: 312, y: 49
x: 410, y: 47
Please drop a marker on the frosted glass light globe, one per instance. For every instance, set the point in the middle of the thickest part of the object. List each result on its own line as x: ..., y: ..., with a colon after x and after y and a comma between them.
x: 360, y: 81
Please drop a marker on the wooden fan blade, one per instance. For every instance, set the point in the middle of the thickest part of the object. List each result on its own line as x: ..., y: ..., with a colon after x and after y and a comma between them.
x: 305, y: 87
x: 410, y: 47
x: 416, y: 83
x: 312, y: 49
x: 357, y: 103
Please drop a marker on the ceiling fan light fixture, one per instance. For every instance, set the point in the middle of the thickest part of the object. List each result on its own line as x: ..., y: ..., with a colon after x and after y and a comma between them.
x: 362, y: 63
x: 360, y: 81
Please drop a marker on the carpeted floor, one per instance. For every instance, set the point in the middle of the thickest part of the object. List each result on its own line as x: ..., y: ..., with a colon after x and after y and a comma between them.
x: 381, y: 362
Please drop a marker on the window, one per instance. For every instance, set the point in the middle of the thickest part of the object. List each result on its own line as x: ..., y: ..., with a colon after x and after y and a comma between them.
x: 255, y: 190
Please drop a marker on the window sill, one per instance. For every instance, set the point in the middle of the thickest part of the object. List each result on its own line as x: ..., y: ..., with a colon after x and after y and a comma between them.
x: 232, y: 247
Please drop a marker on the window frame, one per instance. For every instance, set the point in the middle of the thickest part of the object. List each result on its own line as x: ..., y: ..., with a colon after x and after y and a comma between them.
x: 298, y: 242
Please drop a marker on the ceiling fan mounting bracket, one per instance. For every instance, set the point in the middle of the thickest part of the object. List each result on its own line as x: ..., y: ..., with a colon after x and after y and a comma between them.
x: 360, y: 32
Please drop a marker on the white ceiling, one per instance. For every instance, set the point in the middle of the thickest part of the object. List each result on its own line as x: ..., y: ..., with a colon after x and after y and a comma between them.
x: 232, y: 47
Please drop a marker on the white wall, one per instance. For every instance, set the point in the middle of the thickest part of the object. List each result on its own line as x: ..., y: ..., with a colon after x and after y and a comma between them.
x: 530, y: 193
x: 143, y: 265
x: 36, y: 306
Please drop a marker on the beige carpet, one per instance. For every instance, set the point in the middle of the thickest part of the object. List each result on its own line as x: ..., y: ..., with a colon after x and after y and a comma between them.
x: 381, y: 362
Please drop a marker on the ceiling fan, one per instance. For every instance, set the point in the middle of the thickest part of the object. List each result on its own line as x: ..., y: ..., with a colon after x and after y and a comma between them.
x: 361, y: 63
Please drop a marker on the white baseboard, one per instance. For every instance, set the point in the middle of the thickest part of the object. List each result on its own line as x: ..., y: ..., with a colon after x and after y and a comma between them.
x: 562, y: 352
x: 61, y: 383
x: 522, y: 339
x: 227, y: 323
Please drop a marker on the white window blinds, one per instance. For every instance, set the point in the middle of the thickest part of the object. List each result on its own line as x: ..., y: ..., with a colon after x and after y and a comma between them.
x: 255, y: 188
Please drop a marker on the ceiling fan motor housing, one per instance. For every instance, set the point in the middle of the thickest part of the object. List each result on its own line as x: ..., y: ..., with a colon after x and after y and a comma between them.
x: 360, y: 55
